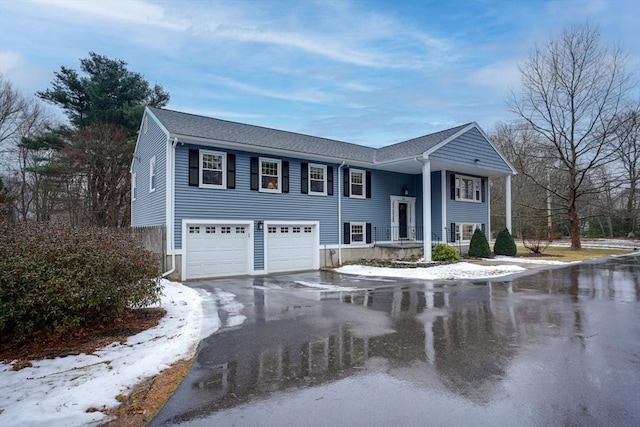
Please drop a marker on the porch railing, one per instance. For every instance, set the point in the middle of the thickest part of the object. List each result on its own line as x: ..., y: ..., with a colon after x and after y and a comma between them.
x: 401, y: 234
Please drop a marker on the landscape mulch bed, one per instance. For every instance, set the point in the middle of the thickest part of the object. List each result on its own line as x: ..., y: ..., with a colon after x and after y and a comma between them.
x: 82, y: 340
x: 146, y: 399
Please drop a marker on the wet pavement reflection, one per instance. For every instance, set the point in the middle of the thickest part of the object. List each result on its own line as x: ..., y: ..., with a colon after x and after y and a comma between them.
x: 556, y: 347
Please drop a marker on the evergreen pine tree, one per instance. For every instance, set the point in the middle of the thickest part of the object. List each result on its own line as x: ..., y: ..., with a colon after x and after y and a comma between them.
x: 479, y: 246
x: 505, y: 245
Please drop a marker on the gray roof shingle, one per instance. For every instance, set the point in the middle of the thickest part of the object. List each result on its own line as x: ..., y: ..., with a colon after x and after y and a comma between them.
x: 222, y: 130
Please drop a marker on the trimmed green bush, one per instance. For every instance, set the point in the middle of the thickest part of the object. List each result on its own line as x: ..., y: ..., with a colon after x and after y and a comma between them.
x: 444, y: 252
x: 479, y: 246
x: 54, y: 278
x: 505, y: 245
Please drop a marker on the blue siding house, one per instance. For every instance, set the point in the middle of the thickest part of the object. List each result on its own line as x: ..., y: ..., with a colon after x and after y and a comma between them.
x: 240, y: 199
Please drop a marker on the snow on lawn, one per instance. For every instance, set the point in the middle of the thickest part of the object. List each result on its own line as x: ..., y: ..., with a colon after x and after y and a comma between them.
x: 460, y: 270
x: 59, y: 391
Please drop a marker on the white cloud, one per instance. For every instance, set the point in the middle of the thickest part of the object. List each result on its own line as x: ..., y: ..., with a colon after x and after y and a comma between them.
x: 499, y: 76
x: 124, y: 11
x: 307, y: 95
x: 9, y: 61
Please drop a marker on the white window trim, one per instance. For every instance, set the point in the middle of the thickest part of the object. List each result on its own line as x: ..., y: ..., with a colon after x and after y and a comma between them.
x: 364, y: 233
x: 324, y: 174
x: 134, y: 186
x: 153, y: 173
x: 224, y: 170
x: 459, y: 231
x: 269, y: 190
x: 364, y: 184
x: 477, y: 183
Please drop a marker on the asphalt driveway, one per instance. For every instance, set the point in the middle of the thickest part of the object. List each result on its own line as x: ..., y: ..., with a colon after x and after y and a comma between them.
x: 557, y: 347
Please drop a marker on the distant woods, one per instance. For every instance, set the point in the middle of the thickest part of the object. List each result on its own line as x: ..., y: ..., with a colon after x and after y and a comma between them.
x: 76, y: 173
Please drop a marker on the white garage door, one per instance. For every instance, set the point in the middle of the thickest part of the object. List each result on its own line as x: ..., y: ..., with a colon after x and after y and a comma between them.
x: 291, y: 247
x: 217, y: 250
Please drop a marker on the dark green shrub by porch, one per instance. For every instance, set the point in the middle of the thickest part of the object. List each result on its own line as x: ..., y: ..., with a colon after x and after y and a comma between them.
x: 54, y: 278
x: 443, y: 252
x: 505, y: 245
x: 479, y: 246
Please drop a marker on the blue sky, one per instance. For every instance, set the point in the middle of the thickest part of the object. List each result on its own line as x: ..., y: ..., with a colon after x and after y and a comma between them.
x: 369, y: 72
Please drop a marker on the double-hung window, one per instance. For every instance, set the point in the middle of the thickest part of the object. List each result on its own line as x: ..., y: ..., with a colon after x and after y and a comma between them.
x: 152, y: 174
x: 213, y: 169
x: 464, y: 232
x: 357, y: 183
x: 270, y: 175
x: 357, y: 233
x: 317, y: 179
x: 468, y: 189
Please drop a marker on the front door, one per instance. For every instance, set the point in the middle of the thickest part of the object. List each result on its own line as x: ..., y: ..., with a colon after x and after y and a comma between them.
x: 402, y: 220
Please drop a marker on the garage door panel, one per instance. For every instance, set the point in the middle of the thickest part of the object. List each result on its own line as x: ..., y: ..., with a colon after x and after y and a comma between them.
x: 291, y: 247
x: 217, y: 250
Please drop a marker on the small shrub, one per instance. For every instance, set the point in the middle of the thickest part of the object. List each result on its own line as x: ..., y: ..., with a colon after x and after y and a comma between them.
x: 505, y: 245
x: 479, y: 246
x: 444, y: 252
x: 54, y: 278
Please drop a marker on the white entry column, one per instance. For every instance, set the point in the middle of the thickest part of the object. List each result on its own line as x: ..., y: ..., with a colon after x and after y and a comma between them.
x: 507, y: 198
x: 426, y: 208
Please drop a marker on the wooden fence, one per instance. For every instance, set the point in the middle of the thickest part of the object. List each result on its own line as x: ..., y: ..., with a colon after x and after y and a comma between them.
x: 154, y: 239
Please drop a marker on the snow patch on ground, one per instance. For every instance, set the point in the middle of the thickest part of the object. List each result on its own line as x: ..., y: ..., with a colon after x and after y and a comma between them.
x: 227, y: 302
x: 59, y: 391
x: 461, y: 270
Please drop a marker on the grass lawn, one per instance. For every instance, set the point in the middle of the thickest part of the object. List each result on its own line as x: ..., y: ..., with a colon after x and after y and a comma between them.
x: 566, y: 255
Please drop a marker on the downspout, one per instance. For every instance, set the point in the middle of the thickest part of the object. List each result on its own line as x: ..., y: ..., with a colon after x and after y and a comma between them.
x: 170, y: 187
x: 340, y: 191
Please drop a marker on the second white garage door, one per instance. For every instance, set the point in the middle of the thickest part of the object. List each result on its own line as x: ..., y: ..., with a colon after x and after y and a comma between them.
x: 217, y: 250
x: 291, y: 247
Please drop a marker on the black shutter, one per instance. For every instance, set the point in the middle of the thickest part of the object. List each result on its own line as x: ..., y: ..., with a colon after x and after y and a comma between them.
x: 482, y: 182
x: 285, y: 177
x: 231, y: 171
x: 304, y: 178
x: 347, y: 233
x: 482, y: 227
x: 329, y: 180
x: 453, y: 232
x: 254, y: 174
x: 345, y: 182
x: 453, y: 186
x: 369, y: 239
x: 194, y: 168
x: 368, y: 174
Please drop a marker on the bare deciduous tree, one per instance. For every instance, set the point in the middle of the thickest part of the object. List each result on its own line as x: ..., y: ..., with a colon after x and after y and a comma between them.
x: 573, y: 89
x: 628, y: 153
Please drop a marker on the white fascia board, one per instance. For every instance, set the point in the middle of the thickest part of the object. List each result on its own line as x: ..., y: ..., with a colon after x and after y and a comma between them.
x: 148, y: 114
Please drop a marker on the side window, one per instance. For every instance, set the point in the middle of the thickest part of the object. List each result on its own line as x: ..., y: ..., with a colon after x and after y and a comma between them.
x: 357, y: 183
x: 318, y: 180
x: 270, y: 175
x: 152, y: 174
x: 468, y: 189
x: 464, y: 232
x: 357, y: 232
x: 213, y: 169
